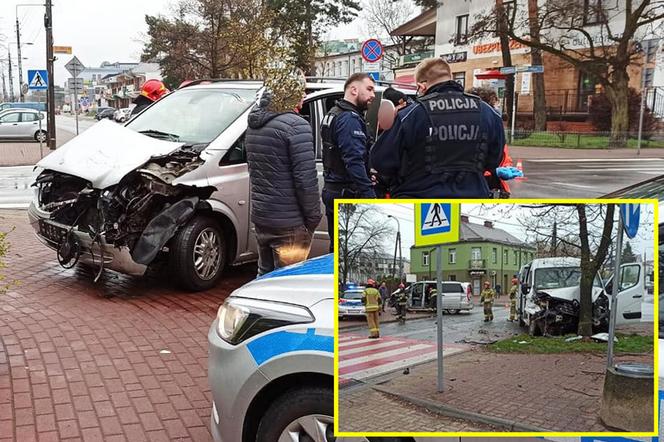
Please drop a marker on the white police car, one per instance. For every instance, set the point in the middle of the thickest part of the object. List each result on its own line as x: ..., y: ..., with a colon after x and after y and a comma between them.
x: 271, y: 353
x: 350, y: 302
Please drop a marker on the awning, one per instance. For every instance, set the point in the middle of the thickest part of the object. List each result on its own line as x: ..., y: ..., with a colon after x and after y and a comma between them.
x: 423, y: 25
x: 492, y: 74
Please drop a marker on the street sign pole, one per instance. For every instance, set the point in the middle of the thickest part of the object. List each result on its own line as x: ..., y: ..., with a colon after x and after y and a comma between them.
x: 614, y: 295
x: 439, y: 301
x: 41, y: 152
x: 76, y: 102
x: 513, y: 107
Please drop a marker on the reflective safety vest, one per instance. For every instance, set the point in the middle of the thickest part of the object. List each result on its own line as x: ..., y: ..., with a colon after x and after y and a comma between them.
x: 487, y: 295
x: 371, y: 299
x: 513, y: 291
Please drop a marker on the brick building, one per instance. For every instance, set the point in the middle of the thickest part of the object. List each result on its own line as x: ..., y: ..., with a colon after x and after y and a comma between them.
x: 567, y: 89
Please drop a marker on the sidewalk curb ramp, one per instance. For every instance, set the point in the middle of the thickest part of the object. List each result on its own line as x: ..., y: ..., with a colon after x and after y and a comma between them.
x: 461, y: 414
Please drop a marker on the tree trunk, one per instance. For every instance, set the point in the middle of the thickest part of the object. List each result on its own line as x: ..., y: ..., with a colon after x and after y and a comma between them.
x: 585, y: 327
x: 618, y: 95
x: 507, y: 60
x: 539, y: 102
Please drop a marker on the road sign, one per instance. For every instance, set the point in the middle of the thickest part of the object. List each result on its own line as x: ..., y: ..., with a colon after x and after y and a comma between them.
x: 37, y: 80
x: 436, y: 223
x: 508, y: 70
x: 62, y: 49
x: 74, y: 83
x: 370, y: 67
x: 75, y: 67
x: 85, y: 102
x: 374, y: 75
x: 631, y: 214
x: 538, y: 69
x: 372, y: 50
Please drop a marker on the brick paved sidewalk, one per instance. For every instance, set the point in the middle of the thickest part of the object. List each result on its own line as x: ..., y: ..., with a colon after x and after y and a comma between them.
x: 27, y: 153
x: 558, y: 392
x: 122, y: 360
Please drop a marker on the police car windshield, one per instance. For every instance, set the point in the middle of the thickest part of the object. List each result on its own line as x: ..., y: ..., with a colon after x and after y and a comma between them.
x: 353, y: 294
x: 196, y: 116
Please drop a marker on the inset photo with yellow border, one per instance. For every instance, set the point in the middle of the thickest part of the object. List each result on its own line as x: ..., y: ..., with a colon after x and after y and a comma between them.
x: 468, y: 318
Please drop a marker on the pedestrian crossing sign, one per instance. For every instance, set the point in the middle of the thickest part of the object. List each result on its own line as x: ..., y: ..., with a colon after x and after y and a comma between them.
x: 436, y: 223
x: 37, y: 80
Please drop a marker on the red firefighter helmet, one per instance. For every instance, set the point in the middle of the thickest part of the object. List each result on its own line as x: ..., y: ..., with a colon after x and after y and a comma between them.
x: 371, y: 282
x: 154, y: 89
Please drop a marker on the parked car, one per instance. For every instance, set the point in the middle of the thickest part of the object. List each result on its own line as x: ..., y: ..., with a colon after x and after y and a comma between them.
x: 35, y: 105
x: 122, y: 115
x: 23, y: 123
x: 105, y: 112
x: 350, y: 302
x: 271, y: 357
x: 550, y: 294
x: 455, y: 296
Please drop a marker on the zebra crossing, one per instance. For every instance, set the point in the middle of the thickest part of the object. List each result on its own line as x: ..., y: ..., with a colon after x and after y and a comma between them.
x: 361, y: 358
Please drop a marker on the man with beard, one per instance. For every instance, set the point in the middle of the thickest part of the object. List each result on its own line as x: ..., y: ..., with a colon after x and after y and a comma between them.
x: 346, y: 144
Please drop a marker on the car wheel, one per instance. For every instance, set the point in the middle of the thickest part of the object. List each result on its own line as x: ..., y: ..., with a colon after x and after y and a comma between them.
x: 198, y: 254
x: 304, y: 414
x: 456, y: 311
x: 40, y: 135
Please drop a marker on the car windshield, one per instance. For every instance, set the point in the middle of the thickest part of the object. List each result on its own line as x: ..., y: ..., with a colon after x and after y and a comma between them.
x: 194, y: 116
x: 557, y: 277
x: 353, y: 294
x: 649, y: 189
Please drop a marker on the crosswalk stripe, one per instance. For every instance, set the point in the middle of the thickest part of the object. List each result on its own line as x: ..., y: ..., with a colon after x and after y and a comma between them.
x: 358, y: 349
x: 384, y: 355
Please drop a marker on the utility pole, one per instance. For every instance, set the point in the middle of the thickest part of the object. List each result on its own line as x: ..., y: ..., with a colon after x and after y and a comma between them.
x: 20, y: 67
x: 48, y: 24
x: 4, y: 86
x: 11, y: 78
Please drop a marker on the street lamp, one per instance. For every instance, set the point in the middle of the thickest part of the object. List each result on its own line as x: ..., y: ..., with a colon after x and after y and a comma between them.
x: 18, y: 45
x: 397, y: 245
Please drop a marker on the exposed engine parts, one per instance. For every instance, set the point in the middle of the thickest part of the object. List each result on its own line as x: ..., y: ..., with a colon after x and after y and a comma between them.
x: 119, y: 216
x: 559, y: 316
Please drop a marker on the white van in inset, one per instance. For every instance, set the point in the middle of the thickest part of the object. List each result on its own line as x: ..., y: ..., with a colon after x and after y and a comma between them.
x: 550, y: 294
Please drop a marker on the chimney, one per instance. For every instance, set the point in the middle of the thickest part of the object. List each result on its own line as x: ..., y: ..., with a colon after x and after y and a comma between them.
x: 464, y: 218
x: 488, y: 224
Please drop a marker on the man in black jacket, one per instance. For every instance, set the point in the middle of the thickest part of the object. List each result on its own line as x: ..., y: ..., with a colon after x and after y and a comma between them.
x: 285, y: 204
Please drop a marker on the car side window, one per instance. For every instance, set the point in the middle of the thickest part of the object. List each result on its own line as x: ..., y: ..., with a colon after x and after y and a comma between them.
x: 10, y: 118
x: 28, y: 117
x: 237, y: 154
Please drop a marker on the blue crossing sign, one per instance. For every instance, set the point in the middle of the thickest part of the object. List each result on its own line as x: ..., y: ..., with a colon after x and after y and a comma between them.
x: 372, y: 50
x: 436, y: 223
x: 631, y: 214
x: 37, y: 80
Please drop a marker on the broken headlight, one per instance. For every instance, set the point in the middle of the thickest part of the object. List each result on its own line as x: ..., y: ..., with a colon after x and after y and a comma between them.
x: 240, y: 318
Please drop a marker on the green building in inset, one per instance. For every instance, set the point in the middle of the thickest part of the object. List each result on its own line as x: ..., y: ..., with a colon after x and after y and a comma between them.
x: 482, y: 253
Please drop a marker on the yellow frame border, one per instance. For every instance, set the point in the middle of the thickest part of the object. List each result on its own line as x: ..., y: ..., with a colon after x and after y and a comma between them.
x: 652, y: 201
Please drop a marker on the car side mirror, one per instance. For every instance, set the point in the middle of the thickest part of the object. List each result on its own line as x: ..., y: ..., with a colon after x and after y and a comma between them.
x: 525, y: 289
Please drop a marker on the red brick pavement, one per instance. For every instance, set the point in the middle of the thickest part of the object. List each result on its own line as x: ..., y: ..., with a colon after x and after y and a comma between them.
x: 558, y: 392
x: 121, y: 360
x: 26, y: 153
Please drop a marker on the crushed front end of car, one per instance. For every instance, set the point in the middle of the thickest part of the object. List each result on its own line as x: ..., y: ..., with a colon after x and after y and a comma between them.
x: 110, y: 207
x: 553, y: 315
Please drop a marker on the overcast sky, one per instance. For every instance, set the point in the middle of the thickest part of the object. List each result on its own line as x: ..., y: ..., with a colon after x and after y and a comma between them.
x: 504, y: 219
x: 97, y: 30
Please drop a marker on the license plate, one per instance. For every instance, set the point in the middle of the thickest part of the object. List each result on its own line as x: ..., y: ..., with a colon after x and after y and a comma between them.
x: 51, y: 232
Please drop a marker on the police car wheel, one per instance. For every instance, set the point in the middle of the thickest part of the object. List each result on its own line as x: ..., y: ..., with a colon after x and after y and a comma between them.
x: 198, y: 254
x: 303, y: 414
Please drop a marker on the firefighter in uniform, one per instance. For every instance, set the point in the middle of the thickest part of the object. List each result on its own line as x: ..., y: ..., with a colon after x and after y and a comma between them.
x: 346, y: 142
x: 513, y: 292
x: 441, y: 145
x: 402, y: 303
x: 486, y: 298
x: 372, y: 302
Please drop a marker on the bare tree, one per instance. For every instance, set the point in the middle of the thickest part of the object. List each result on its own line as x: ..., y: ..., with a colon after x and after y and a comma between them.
x: 584, y: 228
x: 539, y: 96
x: 360, y: 234
x: 599, y: 38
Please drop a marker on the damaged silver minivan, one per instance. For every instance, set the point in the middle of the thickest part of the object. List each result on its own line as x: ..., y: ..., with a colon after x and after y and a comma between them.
x: 171, y: 186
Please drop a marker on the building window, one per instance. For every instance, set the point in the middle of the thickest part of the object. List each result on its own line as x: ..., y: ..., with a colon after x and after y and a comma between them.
x: 476, y: 253
x: 452, y: 256
x: 494, y: 255
x: 452, y: 277
x: 516, y: 257
x: 460, y: 77
x: 461, y: 30
x: 593, y: 12
x: 505, y: 257
x: 425, y: 258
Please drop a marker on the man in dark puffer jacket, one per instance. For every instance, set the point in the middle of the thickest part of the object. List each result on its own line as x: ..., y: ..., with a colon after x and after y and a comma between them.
x: 285, y: 202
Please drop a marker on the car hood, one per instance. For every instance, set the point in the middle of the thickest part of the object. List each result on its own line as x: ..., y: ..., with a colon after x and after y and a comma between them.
x: 105, y: 153
x: 569, y: 293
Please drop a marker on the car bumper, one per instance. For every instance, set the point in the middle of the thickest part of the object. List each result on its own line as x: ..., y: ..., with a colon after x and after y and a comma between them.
x: 234, y: 380
x: 115, y: 258
x: 351, y: 312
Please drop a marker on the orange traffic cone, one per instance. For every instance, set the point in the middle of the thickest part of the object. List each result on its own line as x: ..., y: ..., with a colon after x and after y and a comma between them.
x: 519, y: 166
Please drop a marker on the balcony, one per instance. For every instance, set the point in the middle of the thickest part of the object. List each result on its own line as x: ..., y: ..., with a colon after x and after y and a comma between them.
x: 477, y: 264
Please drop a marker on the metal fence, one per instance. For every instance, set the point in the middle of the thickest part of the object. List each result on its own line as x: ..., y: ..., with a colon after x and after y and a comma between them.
x: 588, y: 140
